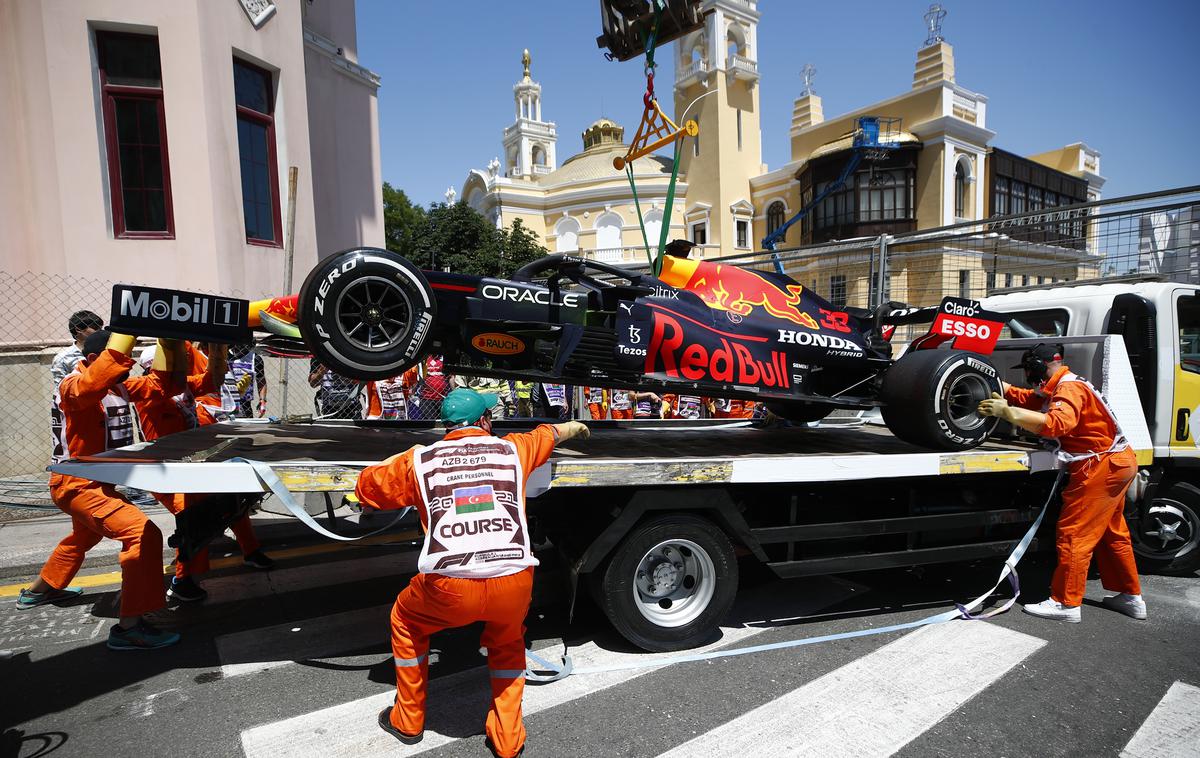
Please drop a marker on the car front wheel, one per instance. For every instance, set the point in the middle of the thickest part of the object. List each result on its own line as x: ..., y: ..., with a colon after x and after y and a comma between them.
x: 930, y: 398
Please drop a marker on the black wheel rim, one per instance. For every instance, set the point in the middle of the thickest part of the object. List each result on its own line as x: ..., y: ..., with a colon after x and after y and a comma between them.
x: 373, y: 313
x: 963, y: 398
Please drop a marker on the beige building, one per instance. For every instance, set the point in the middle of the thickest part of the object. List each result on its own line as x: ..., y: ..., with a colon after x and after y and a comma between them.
x: 943, y: 170
x: 150, y: 142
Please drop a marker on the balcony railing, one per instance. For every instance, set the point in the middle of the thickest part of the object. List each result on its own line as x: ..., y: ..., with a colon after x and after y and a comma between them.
x: 695, y: 72
x: 741, y: 67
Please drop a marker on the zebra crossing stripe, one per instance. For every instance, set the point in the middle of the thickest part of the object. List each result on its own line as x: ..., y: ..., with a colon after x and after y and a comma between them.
x: 1173, y: 728
x: 877, y: 704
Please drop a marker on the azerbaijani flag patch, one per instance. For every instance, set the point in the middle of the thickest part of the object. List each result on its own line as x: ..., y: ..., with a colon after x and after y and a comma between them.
x: 474, y: 499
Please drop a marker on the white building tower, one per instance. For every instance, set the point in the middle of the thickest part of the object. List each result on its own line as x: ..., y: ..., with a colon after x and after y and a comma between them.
x: 529, y: 141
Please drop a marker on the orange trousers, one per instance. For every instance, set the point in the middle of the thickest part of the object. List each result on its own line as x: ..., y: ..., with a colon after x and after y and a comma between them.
x: 1092, y: 520
x: 432, y: 602
x: 597, y: 411
x: 620, y: 415
x: 98, y: 511
x: 242, y: 530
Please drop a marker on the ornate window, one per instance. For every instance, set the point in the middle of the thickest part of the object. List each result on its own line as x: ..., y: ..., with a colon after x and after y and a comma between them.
x: 960, y: 190
x: 567, y: 232
x: 775, y: 214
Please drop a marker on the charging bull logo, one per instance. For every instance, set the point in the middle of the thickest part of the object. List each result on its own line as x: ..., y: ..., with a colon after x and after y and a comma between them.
x: 728, y: 358
x: 736, y: 290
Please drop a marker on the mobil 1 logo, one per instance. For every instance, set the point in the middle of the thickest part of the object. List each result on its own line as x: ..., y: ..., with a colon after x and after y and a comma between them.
x: 154, y: 312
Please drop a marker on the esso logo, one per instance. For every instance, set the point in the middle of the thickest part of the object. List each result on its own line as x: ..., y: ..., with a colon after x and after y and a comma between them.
x: 970, y: 329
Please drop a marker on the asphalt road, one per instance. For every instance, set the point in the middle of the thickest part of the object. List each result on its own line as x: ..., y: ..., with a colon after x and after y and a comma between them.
x: 296, y: 662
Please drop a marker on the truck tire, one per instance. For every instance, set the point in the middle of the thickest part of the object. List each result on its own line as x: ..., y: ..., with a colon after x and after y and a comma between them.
x: 800, y: 412
x: 669, y: 583
x: 930, y: 397
x: 366, y: 313
x: 1166, y: 539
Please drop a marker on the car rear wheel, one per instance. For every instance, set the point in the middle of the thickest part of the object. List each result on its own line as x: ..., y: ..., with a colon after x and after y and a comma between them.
x: 1166, y: 538
x: 366, y: 313
x: 930, y: 398
x: 669, y: 583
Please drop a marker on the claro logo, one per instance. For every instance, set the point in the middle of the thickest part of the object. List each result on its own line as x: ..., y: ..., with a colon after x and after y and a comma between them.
x: 494, y: 343
x: 192, y: 310
x: 531, y: 295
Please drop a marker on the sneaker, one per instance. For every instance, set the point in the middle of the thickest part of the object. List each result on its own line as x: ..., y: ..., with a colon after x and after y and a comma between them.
x: 1053, y: 610
x: 28, y: 599
x: 1131, y: 605
x: 385, y: 723
x: 140, y: 636
x: 186, y: 590
x: 259, y: 560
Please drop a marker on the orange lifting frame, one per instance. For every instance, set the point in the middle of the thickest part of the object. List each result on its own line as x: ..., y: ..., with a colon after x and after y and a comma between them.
x: 654, y: 124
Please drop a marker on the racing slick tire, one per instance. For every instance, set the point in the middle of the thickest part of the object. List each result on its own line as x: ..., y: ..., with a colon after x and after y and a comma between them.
x: 669, y: 583
x: 800, y: 412
x: 1166, y: 535
x: 930, y: 398
x: 366, y: 313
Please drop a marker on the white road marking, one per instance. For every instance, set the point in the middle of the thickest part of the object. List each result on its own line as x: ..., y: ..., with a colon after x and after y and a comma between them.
x: 877, y: 704
x: 1172, y: 730
x: 458, y: 703
x: 341, y: 633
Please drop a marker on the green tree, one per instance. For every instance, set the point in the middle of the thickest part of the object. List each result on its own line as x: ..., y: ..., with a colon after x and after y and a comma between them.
x: 457, y: 238
x: 401, y: 221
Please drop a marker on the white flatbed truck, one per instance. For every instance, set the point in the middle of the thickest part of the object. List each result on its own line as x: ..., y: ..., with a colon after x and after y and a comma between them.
x: 653, y: 516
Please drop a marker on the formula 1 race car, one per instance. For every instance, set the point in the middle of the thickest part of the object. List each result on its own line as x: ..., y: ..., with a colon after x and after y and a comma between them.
x: 700, y: 327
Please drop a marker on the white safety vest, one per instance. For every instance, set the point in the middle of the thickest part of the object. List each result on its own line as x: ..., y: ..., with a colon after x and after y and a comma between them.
x: 472, y: 488
x: 723, y: 404
x: 644, y: 409
x: 1119, y: 442
x: 688, y: 407
x: 620, y: 400
x: 390, y: 394
x: 595, y: 395
x: 118, y: 422
x: 556, y: 394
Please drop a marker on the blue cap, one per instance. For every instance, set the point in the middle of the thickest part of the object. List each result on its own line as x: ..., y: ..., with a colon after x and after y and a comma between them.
x: 466, y: 406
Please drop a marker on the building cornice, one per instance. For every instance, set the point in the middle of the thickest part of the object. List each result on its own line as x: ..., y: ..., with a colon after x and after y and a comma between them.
x: 949, y: 126
x: 333, y: 54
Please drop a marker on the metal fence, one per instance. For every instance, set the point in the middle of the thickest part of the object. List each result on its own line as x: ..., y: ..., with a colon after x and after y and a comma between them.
x: 1157, y: 233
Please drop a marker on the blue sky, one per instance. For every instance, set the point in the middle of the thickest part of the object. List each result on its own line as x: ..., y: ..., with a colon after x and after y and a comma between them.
x: 1119, y: 76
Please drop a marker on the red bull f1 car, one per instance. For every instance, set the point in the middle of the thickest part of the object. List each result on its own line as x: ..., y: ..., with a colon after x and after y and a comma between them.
x: 700, y: 327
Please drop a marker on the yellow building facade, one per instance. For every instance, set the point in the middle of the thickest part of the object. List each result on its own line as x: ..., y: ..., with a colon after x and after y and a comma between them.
x: 944, y: 169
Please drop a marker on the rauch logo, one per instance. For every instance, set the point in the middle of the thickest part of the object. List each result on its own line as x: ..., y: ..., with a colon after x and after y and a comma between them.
x: 494, y: 343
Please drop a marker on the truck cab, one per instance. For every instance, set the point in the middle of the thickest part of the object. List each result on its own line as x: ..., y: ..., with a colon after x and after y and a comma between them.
x: 1159, y: 322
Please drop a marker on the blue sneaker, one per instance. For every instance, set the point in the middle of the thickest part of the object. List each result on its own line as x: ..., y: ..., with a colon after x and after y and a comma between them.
x: 28, y: 599
x: 140, y: 636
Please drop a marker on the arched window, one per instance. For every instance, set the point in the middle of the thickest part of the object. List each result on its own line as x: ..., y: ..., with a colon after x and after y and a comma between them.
x: 568, y: 235
x: 653, y: 222
x: 539, y: 155
x: 608, y: 235
x: 775, y: 213
x: 475, y: 198
x: 960, y: 190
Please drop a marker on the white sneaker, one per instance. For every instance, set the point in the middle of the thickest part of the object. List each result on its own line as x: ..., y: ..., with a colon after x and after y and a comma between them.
x: 1131, y: 605
x: 1054, y: 610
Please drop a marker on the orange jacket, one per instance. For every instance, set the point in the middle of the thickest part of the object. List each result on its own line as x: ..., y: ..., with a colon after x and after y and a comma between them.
x: 1074, y: 415
x: 80, y: 395
x: 393, y: 484
x: 158, y: 413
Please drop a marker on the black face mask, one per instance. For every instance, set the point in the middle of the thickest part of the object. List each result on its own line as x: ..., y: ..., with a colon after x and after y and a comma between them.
x: 1035, y: 370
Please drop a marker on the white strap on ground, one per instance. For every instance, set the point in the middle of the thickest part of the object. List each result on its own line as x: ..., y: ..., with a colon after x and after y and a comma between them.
x: 1172, y: 730
x: 877, y: 704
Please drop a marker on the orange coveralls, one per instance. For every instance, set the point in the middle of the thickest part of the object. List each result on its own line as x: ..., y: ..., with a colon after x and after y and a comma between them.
x: 98, y: 510
x: 1092, y: 503
x: 597, y: 410
x: 432, y: 602
x: 160, y: 415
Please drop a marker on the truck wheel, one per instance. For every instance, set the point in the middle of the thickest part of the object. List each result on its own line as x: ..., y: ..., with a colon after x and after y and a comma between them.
x: 930, y: 397
x: 1166, y: 539
x: 366, y: 313
x: 800, y: 412
x: 669, y: 583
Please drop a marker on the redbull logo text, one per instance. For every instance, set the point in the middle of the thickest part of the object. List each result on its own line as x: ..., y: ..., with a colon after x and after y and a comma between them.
x: 733, y: 289
x: 729, y: 361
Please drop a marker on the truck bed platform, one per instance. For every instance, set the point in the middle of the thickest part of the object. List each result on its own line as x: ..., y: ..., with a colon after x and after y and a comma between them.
x: 327, y: 455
